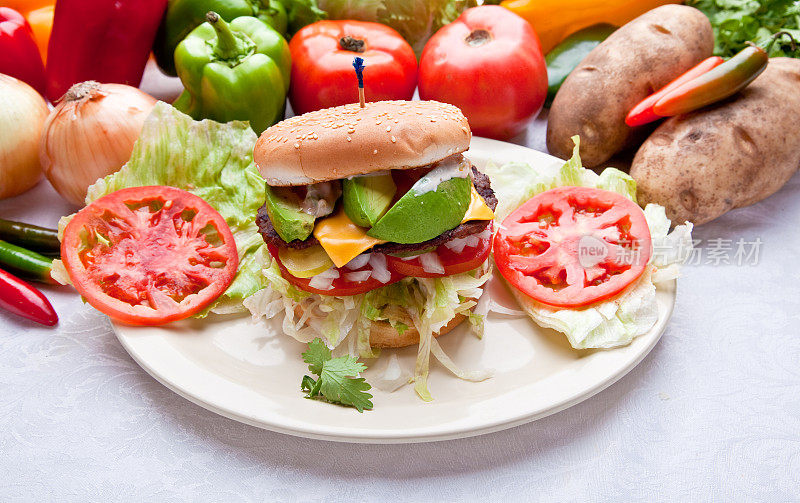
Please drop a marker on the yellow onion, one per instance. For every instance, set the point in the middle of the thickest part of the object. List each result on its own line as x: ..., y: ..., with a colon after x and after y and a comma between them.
x: 22, y: 114
x: 90, y: 134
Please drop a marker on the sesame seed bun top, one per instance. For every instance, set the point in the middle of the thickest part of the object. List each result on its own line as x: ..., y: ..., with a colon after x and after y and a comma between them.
x: 348, y: 140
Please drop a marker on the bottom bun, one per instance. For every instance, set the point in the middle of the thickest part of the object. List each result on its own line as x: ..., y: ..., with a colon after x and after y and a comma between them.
x: 383, y: 335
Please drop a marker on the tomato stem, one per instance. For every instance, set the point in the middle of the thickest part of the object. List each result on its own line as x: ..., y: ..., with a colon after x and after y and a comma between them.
x: 352, y: 44
x: 478, y: 38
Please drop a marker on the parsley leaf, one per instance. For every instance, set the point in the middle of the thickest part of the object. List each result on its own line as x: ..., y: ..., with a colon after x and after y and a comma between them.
x: 736, y: 22
x: 337, y: 381
x: 317, y: 354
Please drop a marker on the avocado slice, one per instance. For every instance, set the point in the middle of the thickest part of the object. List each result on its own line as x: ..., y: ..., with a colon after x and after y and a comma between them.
x: 422, y: 214
x: 366, y: 198
x: 283, y: 208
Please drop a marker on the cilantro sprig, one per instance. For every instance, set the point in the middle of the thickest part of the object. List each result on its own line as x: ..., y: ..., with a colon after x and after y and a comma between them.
x: 336, y: 378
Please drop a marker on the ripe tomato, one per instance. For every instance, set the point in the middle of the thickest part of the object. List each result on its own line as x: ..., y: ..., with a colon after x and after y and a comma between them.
x: 488, y: 63
x: 322, y: 65
x: 341, y: 286
x: 471, y: 257
x: 572, y: 246
x: 149, y: 255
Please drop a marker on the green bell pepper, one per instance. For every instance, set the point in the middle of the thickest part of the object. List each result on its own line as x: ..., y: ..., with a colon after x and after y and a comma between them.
x: 567, y: 55
x: 236, y: 71
x: 183, y: 16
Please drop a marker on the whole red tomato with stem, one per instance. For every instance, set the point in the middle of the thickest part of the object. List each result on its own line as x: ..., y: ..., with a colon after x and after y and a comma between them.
x: 488, y: 63
x: 322, y: 65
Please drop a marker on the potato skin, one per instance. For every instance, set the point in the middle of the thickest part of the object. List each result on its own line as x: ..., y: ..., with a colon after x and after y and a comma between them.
x: 733, y: 154
x: 632, y: 63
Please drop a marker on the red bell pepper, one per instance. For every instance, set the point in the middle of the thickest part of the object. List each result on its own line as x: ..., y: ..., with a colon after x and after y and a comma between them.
x: 24, y: 300
x: 100, y: 40
x: 19, y: 56
x: 643, y: 112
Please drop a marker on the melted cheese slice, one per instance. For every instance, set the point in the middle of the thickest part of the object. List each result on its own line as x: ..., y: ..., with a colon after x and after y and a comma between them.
x: 343, y: 240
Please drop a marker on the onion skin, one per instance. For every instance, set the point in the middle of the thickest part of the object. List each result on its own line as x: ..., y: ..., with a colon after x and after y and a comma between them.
x: 22, y: 114
x: 90, y: 134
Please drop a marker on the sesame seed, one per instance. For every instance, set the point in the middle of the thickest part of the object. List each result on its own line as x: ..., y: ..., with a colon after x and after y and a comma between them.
x: 375, y: 151
x: 296, y: 145
x: 394, y: 140
x: 349, y: 139
x: 388, y: 128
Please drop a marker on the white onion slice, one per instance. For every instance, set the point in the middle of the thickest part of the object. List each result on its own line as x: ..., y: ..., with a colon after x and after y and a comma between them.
x: 431, y: 263
x: 379, y: 269
x: 457, y: 244
x: 357, y: 276
x: 358, y: 262
x: 324, y: 280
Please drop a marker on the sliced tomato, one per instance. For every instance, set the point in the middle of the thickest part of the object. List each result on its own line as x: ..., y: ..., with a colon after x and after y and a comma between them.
x: 341, y: 286
x: 471, y: 257
x: 149, y: 255
x: 573, y: 246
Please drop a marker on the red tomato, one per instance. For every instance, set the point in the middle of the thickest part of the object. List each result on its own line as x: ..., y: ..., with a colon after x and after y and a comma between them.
x: 454, y: 263
x: 572, y: 246
x: 322, y: 65
x: 488, y: 63
x: 149, y: 255
x: 342, y: 287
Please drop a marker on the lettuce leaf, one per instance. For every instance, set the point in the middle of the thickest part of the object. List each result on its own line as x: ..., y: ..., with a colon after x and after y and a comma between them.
x: 415, y: 20
x: 213, y: 161
x: 616, y: 321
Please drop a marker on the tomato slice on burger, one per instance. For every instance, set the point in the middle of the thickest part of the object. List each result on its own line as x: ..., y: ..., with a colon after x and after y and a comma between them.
x: 573, y: 246
x: 451, y: 258
x: 149, y: 255
x: 343, y: 281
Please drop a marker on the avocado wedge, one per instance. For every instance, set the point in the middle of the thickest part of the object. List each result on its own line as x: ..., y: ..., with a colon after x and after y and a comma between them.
x: 422, y: 214
x: 283, y: 208
x: 366, y: 198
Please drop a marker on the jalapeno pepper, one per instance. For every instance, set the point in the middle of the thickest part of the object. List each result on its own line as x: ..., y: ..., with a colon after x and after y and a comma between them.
x: 567, y: 55
x: 717, y: 84
x: 710, y: 81
x: 643, y: 112
x: 33, y: 237
x: 25, y: 263
x: 24, y: 300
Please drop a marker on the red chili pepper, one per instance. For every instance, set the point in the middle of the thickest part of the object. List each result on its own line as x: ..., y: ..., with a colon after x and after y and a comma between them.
x: 19, y: 55
x: 100, y: 40
x: 643, y: 112
x: 24, y: 300
x: 725, y: 80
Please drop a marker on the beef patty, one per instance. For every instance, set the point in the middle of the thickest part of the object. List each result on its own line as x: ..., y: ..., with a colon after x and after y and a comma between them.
x: 479, y: 180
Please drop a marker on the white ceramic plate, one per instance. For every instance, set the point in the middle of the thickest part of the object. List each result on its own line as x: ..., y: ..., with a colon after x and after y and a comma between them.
x: 251, y: 372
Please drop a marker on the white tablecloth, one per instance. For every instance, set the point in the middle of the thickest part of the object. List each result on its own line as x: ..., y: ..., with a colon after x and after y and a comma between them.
x: 712, y: 414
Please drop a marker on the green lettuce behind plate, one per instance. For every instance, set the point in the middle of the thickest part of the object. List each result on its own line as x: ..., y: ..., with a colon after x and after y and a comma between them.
x: 633, y: 312
x: 211, y: 160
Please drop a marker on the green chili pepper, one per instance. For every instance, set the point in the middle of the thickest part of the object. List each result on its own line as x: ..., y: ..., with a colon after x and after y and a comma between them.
x: 36, y: 238
x: 25, y: 263
x: 183, y: 16
x: 236, y: 71
x: 567, y: 55
x: 721, y: 82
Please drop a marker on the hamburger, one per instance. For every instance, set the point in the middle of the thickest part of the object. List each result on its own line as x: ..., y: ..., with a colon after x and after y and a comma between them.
x: 379, y: 228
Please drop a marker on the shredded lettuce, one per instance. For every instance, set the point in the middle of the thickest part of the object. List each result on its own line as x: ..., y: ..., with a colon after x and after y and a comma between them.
x: 427, y: 303
x: 213, y: 161
x: 617, y: 321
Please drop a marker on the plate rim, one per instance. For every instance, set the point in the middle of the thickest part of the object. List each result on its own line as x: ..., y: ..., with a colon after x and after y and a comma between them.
x: 430, y: 433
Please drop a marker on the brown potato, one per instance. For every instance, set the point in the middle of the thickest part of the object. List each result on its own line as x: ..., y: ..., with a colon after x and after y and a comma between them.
x: 733, y: 154
x: 632, y: 63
